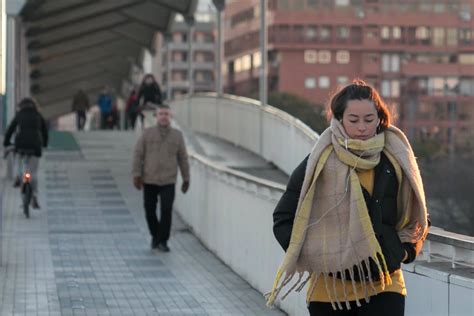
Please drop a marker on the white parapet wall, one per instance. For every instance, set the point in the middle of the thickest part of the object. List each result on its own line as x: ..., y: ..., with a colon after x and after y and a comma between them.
x: 231, y: 211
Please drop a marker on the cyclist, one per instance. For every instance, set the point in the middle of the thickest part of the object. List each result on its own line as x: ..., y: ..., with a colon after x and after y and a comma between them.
x: 31, y: 134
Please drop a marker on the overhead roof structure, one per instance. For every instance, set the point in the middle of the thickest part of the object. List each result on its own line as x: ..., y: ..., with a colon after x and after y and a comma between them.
x: 86, y: 44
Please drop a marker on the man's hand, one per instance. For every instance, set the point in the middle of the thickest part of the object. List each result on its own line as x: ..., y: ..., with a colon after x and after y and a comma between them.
x: 138, y: 182
x: 185, y: 186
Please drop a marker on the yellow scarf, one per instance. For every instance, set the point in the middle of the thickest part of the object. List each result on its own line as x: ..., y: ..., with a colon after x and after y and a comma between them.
x: 332, y: 231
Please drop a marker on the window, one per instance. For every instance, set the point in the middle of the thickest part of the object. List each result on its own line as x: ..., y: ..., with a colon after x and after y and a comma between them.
x: 325, y: 32
x: 342, y: 57
x: 310, y: 32
x: 422, y: 33
x: 257, y: 60
x: 246, y: 62
x: 310, y: 83
x: 343, y: 32
x: 342, y: 3
x: 324, y: 82
x: 178, y: 38
x: 466, y: 59
x: 436, y: 86
x: 395, y: 63
x: 465, y: 35
x: 310, y: 56
x: 438, y: 36
x: 238, y: 65
x: 390, y: 63
x: 395, y: 88
x: 342, y: 80
x: 385, y: 32
x: 385, y: 62
x: 452, y: 36
x: 385, y: 88
x: 390, y: 88
x: 324, y: 56
x: 439, y: 7
x: 397, y: 32
x: 466, y: 87
x: 199, y: 76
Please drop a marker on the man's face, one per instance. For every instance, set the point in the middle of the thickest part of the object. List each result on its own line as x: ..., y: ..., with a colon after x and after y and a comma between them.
x: 163, y: 117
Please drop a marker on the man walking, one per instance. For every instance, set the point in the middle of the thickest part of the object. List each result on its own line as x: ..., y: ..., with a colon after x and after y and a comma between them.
x: 80, y: 105
x: 158, y: 153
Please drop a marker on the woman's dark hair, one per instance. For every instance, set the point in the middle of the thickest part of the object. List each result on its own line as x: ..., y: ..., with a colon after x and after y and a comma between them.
x: 359, y: 90
x: 26, y: 103
x: 154, y: 84
x: 148, y: 76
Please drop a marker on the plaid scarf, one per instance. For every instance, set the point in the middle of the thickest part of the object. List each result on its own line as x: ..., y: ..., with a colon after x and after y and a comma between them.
x: 332, y: 231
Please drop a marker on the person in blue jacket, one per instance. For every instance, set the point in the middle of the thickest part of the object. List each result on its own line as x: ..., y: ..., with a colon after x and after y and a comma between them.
x: 105, y: 103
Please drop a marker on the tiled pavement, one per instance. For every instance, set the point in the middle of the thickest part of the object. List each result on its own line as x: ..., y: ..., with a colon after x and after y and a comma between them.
x: 86, y: 252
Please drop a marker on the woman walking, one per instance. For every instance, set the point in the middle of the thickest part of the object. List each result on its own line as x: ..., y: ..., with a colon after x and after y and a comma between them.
x: 353, y: 211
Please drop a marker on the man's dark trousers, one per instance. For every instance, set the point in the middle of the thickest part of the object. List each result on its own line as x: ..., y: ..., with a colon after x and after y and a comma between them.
x: 159, y: 229
x: 80, y: 119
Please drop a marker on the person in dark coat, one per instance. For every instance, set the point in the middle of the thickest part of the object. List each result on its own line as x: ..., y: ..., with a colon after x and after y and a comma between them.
x: 31, y: 135
x: 131, y: 109
x: 354, y: 210
x: 80, y: 105
x: 149, y: 95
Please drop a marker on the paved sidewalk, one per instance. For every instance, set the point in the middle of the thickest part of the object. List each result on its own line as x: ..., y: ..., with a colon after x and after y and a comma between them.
x: 86, y: 252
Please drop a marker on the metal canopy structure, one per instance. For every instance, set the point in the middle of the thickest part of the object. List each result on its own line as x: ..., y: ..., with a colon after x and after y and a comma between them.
x: 86, y: 44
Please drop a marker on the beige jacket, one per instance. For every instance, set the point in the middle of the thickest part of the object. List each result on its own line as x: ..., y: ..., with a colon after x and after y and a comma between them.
x: 158, y: 153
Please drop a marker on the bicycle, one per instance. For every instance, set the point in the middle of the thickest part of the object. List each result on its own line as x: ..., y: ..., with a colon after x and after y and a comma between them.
x: 26, y: 187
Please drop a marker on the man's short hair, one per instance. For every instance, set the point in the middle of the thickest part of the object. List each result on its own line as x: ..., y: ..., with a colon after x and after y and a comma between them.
x: 164, y: 107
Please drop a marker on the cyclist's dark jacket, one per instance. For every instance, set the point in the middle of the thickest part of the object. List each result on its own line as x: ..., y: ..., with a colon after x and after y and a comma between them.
x: 31, y: 133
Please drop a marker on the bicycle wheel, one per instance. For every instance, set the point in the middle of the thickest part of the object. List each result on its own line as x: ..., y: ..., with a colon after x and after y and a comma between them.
x: 26, y: 193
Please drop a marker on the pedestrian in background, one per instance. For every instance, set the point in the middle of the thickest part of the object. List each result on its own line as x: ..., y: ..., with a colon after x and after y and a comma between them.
x: 149, y: 96
x: 158, y: 153
x: 80, y: 105
x: 105, y: 103
x: 132, y: 109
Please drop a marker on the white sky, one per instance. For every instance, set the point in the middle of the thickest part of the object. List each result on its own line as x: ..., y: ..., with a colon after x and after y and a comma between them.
x: 2, y: 47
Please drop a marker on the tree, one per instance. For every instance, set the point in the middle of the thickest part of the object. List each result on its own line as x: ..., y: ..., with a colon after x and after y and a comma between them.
x: 309, y: 113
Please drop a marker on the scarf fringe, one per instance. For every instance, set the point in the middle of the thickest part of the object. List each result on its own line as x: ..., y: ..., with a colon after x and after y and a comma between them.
x: 283, y: 278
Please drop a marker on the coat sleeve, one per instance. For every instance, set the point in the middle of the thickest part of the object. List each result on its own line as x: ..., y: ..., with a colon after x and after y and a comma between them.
x: 183, y: 161
x: 139, y: 157
x: 285, y: 211
x: 158, y: 94
x: 44, y: 132
x: 9, y: 132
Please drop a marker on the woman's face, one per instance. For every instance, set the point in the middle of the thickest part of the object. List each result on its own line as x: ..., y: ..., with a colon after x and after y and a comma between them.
x: 148, y: 80
x: 360, y: 119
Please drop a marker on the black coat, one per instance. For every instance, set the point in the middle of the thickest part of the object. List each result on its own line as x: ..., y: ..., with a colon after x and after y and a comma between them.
x: 31, y: 133
x: 150, y: 93
x: 382, y: 206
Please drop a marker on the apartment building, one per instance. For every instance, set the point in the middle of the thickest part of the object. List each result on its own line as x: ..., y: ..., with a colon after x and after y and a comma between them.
x: 418, y: 53
x: 177, y: 52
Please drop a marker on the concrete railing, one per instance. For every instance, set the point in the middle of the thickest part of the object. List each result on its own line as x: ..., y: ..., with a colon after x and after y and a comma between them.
x: 271, y: 133
x: 231, y: 211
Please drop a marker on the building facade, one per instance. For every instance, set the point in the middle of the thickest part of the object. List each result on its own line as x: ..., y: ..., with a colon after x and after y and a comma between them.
x: 176, y: 50
x: 418, y: 53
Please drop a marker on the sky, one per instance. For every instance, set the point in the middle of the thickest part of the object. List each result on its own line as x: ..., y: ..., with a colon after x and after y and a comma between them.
x: 2, y: 47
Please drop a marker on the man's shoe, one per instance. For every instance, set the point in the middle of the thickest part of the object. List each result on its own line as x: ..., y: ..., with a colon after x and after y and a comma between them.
x: 17, y: 182
x: 154, y: 243
x: 34, y: 203
x: 162, y: 246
